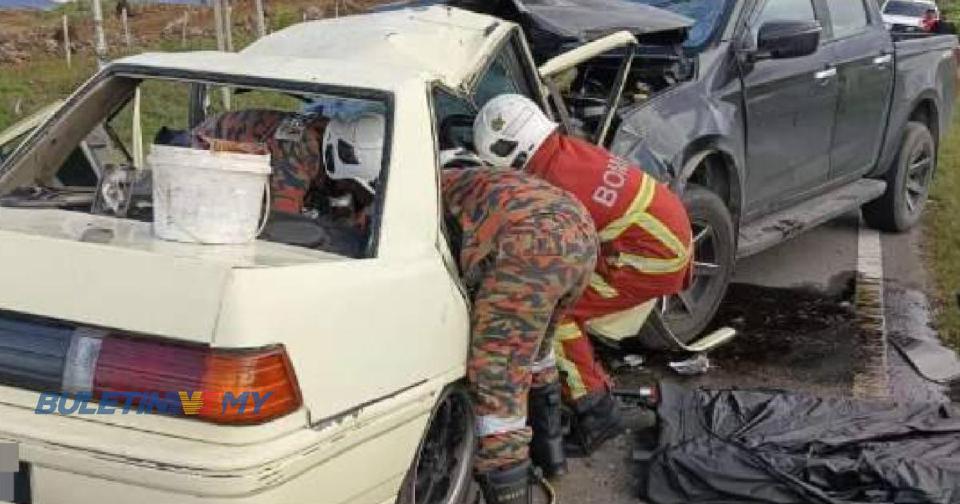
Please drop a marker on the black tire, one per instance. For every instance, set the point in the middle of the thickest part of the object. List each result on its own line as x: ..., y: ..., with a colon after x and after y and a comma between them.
x: 685, y: 316
x: 908, y: 183
x: 442, y: 470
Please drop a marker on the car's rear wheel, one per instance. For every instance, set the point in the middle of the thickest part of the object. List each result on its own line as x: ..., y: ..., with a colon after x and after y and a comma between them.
x: 683, y: 316
x: 442, y: 471
x: 908, y: 183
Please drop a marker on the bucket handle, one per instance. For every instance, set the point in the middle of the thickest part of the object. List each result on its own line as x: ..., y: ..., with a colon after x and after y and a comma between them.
x: 267, y: 201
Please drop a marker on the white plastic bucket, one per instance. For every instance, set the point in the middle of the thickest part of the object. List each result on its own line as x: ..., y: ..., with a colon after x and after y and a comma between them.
x: 208, y: 197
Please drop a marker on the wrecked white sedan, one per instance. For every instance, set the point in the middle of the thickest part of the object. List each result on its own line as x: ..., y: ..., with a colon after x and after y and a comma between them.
x: 280, y: 371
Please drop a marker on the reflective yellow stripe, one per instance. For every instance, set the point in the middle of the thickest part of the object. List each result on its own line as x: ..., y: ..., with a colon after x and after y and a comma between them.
x: 568, y: 331
x: 600, y: 285
x: 637, y: 215
x: 638, y: 207
x: 651, y: 265
x: 656, y: 228
x: 569, y: 372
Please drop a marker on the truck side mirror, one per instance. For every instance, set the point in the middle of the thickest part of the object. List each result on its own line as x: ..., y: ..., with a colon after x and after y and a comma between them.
x: 788, y: 39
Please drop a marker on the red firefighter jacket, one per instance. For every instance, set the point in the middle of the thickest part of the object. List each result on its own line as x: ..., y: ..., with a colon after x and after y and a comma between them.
x: 646, y: 242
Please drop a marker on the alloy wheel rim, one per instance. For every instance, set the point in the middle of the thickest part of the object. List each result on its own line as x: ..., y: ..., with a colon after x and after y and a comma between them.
x: 443, y: 463
x: 705, y: 271
x: 917, y: 185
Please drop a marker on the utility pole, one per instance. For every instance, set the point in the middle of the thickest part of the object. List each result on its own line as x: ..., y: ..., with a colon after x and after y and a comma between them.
x: 100, y: 42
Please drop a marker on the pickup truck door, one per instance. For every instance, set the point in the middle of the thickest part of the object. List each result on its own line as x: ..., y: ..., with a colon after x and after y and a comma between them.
x: 863, y: 56
x: 790, y: 110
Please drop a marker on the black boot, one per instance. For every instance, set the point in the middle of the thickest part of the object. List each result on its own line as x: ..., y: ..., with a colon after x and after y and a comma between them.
x: 507, y: 486
x: 594, y: 420
x: 543, y: 416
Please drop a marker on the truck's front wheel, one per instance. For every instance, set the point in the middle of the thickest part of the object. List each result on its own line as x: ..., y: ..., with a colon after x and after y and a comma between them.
x: 908, y: 183
x: 685, y: 315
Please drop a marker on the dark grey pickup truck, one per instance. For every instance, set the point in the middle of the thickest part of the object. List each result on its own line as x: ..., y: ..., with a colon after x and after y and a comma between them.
x: 770, y: 116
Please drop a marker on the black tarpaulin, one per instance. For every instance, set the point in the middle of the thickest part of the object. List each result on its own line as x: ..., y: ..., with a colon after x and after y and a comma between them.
x: 729, y: 446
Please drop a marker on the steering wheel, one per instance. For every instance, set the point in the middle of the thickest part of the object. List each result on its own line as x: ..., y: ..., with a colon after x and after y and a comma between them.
x: 456, y: 130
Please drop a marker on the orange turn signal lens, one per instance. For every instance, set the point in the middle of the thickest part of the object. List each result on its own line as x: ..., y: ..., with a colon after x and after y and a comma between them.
x: 248, y: 386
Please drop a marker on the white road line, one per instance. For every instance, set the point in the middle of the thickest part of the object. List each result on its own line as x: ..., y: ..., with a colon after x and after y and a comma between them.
x: 870, y: 378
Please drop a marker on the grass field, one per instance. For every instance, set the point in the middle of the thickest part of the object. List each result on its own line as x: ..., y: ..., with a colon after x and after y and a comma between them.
x: 942, y: 223
x: 943, y: 235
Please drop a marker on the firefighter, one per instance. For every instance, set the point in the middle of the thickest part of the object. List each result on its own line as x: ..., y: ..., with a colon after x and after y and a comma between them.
x: 340, y: 158
x: 645, y: 253
x: 293, y: 141
x: 526, y: 250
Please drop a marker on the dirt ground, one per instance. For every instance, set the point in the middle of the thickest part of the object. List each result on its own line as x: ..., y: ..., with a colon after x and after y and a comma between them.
x: 789, y: 339
x: 25, y: 34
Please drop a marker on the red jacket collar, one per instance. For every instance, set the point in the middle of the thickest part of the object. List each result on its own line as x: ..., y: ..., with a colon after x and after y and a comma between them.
x: 543, y: 159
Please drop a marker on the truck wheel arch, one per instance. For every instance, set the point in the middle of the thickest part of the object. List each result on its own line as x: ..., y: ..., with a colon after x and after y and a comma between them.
x: 715, y: 169
x: 927, y: 112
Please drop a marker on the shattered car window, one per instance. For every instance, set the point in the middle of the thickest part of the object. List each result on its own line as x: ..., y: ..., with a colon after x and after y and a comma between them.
x: 707, y: 15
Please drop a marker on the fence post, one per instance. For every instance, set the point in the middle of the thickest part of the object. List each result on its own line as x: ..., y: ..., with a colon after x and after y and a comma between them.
x: 228, y: 24
x: 261, y: 19
x: 219, y: 13
x: 100, y: 39
x: 218, y: 24
x: 66, y: 40
x: 183, y: 29
x: 126, y: 26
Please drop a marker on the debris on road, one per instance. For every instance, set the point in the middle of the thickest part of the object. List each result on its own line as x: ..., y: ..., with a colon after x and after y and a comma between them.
x: 633, y: 360
x: 788, y: 448
x: 697, y: 365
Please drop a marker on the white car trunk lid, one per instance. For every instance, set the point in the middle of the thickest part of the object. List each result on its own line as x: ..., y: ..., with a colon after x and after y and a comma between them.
x: 112, y: 273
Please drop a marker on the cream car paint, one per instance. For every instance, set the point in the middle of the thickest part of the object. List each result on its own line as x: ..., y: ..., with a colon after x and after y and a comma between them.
x: 373, y: 341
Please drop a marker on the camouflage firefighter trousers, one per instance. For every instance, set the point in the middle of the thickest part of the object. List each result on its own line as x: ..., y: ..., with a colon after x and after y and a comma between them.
x: 541, y: 267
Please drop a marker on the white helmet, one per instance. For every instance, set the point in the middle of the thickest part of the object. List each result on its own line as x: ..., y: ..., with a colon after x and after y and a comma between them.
x: 509, y: 129
x: 353, y: 149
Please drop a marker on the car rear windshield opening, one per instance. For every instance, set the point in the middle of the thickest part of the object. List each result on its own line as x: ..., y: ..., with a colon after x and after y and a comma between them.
x: 327, y: 154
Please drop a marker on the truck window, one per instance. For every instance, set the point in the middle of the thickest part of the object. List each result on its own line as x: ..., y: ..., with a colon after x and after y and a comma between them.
x: 847, y: 17
x: 785, y: 10
x: 504, y: 75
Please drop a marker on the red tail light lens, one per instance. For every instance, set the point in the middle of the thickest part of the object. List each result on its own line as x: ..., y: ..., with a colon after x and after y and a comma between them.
x: 227, y: 386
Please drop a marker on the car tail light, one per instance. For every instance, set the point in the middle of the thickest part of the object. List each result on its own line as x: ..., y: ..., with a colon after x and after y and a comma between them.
x: 226, y: 386
x: 236, y: 386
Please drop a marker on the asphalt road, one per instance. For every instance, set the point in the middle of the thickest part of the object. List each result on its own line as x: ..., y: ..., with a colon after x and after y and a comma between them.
x: 794, y: 308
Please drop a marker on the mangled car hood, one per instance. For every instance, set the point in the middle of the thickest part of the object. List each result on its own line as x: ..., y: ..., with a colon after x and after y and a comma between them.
x: 587, y: 20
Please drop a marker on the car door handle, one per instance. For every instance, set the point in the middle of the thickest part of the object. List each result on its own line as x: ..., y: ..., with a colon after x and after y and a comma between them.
x: 883, y: 60
x: 824, y: 75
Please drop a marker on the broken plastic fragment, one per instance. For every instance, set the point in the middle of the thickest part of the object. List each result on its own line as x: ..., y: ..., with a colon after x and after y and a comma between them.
x: 696, y: 365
